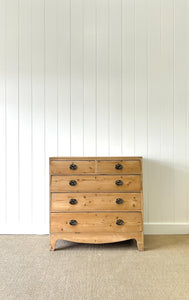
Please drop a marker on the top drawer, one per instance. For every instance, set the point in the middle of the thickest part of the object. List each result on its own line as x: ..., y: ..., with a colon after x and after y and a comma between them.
x: 63, y: 167
x: 119, y: 167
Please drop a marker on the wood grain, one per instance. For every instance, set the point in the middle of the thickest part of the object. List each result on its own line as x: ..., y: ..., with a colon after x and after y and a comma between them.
x: 63, y: 167
x: 96, y: 238
x: 117, y: 158
x: 94, y: 210
x: 95, y: 201
x: 128, y: 167
x: 96, y: 222
x: 100, y: 183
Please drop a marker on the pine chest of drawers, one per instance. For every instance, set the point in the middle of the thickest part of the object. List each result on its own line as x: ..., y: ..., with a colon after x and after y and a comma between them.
x: 96, y: 200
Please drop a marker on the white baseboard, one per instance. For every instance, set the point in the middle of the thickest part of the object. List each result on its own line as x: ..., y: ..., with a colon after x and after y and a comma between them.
x: 166, y: 228
x: 149, y: 228
x: 24, y: 229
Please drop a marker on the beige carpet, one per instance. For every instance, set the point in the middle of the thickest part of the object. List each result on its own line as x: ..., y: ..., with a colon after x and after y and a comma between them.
x: 28, y: 270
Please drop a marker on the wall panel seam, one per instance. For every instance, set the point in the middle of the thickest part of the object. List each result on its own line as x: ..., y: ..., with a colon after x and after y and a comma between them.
x: 44, y: 95
x: 6, y: 209
x: 18, y: 82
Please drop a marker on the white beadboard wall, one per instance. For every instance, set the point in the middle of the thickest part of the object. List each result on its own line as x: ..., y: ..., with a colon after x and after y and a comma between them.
x: 94, y: 78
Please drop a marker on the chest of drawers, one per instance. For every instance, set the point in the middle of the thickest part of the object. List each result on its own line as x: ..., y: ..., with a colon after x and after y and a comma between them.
x: 96, y: 200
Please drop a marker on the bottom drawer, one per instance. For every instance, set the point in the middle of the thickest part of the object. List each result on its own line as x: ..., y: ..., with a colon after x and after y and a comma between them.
x: 96, y: 222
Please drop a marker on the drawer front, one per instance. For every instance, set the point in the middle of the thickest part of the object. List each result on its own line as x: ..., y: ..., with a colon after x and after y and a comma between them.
x: 95, y: 202
x: 61, y: 167
x: 100, y: 183
x: 96, y: 222
x: 119, y: 167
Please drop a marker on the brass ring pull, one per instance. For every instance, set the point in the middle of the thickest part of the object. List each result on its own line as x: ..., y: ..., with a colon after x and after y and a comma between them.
x: 119, y: 222
x: 73, y: 201
x: 118, y: 167
x: 73, y: 222
x: 73, y: 167
x: 119, y: 182
x: 119, y: 201
x: 72, y: 182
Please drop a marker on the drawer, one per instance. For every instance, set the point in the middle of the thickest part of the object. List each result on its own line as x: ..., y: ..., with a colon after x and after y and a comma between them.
x: 61, y: 167
x: 95, y: 202
x: 96, y: 222
x: 99, y: 183
x: 119, y: 167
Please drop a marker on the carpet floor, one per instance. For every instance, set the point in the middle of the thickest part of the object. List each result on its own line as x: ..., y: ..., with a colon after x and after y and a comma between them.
x: 28, y: 270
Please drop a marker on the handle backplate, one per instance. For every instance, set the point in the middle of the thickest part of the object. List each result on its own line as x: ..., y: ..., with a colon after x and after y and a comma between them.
x: 119, y: 222
x: 118, y: 166
x: 72, y: 182
x: 119, y: 201
x: 119, y: 182
x: 73, y: 166
x: 73, y: 201
x: 73, y: 222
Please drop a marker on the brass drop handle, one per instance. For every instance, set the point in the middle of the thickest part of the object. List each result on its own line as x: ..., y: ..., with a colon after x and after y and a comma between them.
x: 73, y: 201
x: 73, y: 167
x: 119, y: 222
x: 72, y: 182
x: 73, y: 222
x: 119, y: 201
x: 119, y: 182
x: 118, y: 166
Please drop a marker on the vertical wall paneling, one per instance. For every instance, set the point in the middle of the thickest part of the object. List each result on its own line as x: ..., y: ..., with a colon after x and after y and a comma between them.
x: 128, y: 76
x: 12, y: 104
x: 154, y: 94
x: 77, y: 82
x: 89, y: 77
x: 115, y: 62
x: 63, y: 77
x: 141, y: 78
x: 141, y: 91
x: 187, y: 103
x: 180, y: 53
x: 37, y: 111
x: 103, y: 77
x: 25, y: 110
x: 51, y: 97
x: 166, y: 123
x: 94, y: 77
x: 3, y: 110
